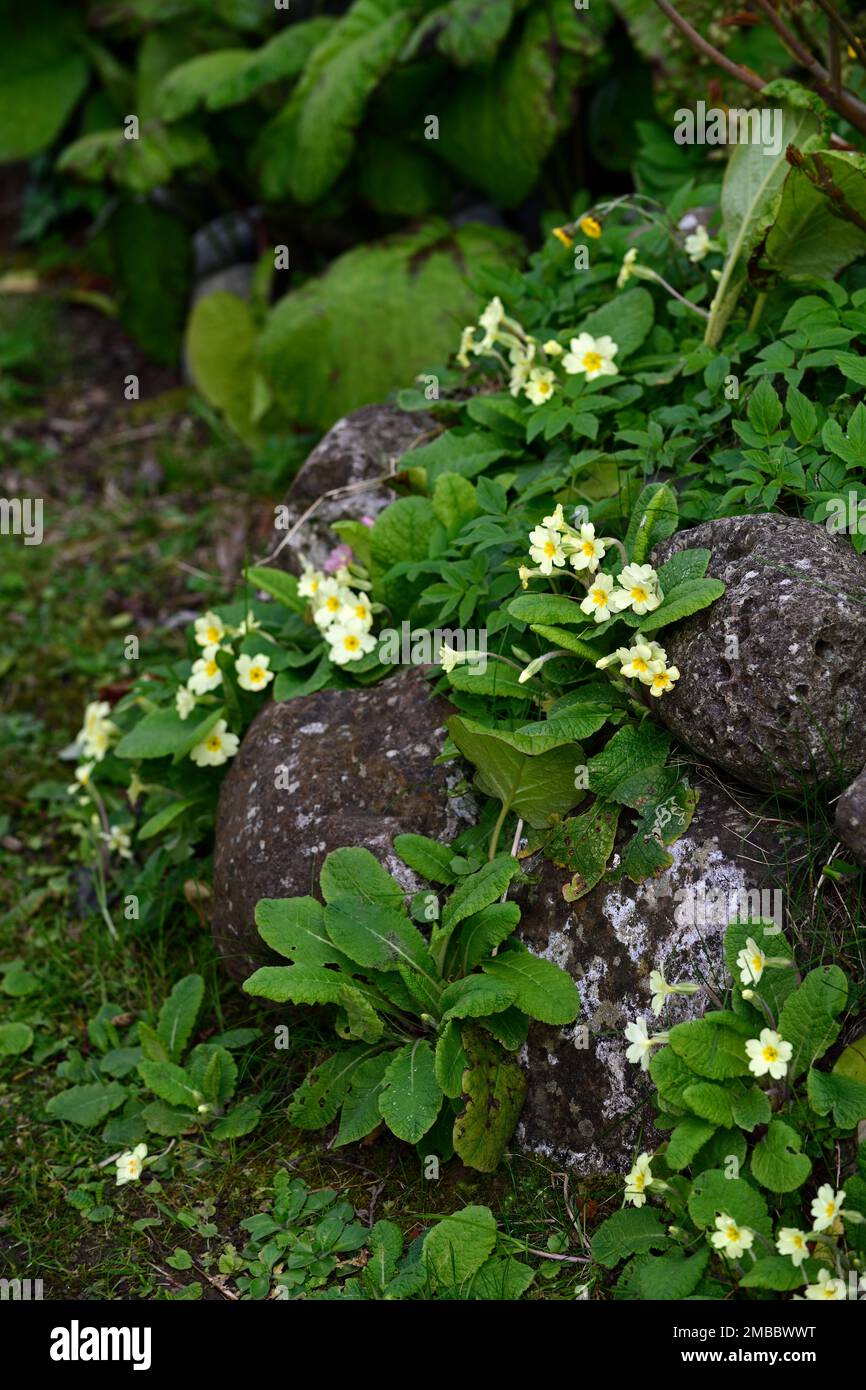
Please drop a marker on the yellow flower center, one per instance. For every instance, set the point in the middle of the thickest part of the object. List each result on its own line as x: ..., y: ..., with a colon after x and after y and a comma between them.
x: 332, y: 603
x: 592, y: 361
x: 770, y: 1054
x: 351, y: 643
x: 639, y: 664
x: 588, y: 548
x: 256, y: 674
x: 639, y: 594
x: 830, y: 1208
x: 799, y: 1242
x: 211, y: 668
x: 639, y: 1181
x: 599, y: 597
x: 543, y: 388
x: 549, y: 549
x: 661, y: 681
x: 213, y: 634
x: 757, y: 963
x: 360, y: 612
x: 733, y: 1233
x: 214, y: 743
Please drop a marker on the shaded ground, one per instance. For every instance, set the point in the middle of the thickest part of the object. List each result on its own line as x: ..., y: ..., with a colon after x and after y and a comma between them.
x: 150, y: 513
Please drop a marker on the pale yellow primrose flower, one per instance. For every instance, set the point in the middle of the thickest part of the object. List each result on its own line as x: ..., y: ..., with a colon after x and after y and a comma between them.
x: 184, y: 701
x: 751, y: 962
x: 660, y: 991
x: 130, y: 1164
x: 826, y: 1287
x: 310, y: 582
x: 521, y: 358
x: 209, y: 630
x: 97, y: 731
x: 491, y: 321
x: 730, y: 1238
x: 663, y: 681
x: 627, y: 268
x: 348, y: 642
x: 332, y: 596
x: 252, y: 672
x: 206, y: 674
x: 585, y: 549
x: 118, y: 842
x: 768, y: 1054
x: 552, y: 348
x: 641, y: 1043
x: 82, y: 780
x: 556, y: 521
x: 467, y: 345
x: 638, y: 1180
x: 217, y: 748
x: 541, y: 385
x: 602, y: 600
x: 545, y: 548
x: 638, y: 663
x: 641, y: 585
x: 826, y: 1207
x: 356, y: 609
x: 792, y: 1242
x: 594, y: 356
x: 698, y: 244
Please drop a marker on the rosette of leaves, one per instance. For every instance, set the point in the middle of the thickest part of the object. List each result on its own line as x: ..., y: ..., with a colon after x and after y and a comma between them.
x: 752, y: 1149
x: 430, y: 1012
x: 308, y: 1242
x: 192, y: 1088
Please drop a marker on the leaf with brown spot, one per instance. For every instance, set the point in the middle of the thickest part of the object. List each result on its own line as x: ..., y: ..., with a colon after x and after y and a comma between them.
x: 494, y: 1089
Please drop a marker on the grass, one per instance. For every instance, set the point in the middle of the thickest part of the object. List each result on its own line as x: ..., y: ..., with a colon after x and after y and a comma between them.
x: 140, y: 527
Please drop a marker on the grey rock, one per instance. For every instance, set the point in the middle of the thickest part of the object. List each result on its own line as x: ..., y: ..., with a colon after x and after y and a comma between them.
x: 783, y: 708
x: 851, y: 818
x: 360, y: 447
x: 357, y: 771
x: 588, y: 1107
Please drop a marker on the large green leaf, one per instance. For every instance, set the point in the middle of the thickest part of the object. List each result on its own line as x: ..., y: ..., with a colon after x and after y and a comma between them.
x: 354, y: 870
x: 811, y: 234
x: 220, y: 341
x: 714, y: 1194
x: 178, y: 1014
x: 534, y: 787
x: 380, y: 314
x: 777, y: 1161
x: 498, y: 123
x: 839, y: 1093
x: 43, y: 72
x: 633, y: 1231
x: 152, y: 266
x: 318, y: 1098
x: 310, y: 142
x: 627, y: 319
x: 717, y: 1053
x: 583, y: 845
x: 808, y: 1017
x: 295, y: 928
x: 410, y: 1098
x: 457, y: 1247
x: 198, y: 82
x: 360, y: 1113
x: 466, y: 31
x: 379, y: 937
x: 494, y: 1089
x: 541, y: 989
x: 88, y: 1105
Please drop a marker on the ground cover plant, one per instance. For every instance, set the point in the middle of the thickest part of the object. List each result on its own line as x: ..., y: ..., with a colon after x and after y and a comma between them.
x: 685, y: 350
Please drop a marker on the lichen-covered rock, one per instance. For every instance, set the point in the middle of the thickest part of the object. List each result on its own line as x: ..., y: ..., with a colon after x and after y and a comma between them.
x: 587, y: 1107
x: 773, y: 675
x: 851, y: 818
x: 354, y: 767
x: 357, y: 449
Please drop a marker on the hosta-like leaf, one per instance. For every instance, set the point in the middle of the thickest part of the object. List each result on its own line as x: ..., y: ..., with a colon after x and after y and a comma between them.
x: 457, y: 1247
x: 839, y: 1093
x: 633, y: 1231
x: 178, y: 1015
x: 808, y: 1017
x: 777, y: 1162
x: 494, y: 1089
x: 479, y: 935
x: 360, y: 1113
x: 773, y: 1272
x: 717, y: 1053
x: 410, y: 1098
x: 533, y: 787
x: 88, y: 1105
x: 376, y: 936
x: 541, y: 989
x: 297, y: 984
x: 355, y: 871
x: 672, y: 1276
x: 689, y: 1136
x: 295, y: 928
x: 475, y: 997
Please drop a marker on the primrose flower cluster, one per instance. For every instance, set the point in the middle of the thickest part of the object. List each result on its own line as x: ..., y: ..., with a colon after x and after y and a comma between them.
x: 531, y: 365
x: 252, y: 673
x: 555, y: 544
x: 344, y: 615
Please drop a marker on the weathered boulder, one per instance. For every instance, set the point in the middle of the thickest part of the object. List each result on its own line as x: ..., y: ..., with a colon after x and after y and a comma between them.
x: 587, y: 1107
x: 851, y: 818
x: 357, y: 449
x: 355, y: 768
x: 773, y: 675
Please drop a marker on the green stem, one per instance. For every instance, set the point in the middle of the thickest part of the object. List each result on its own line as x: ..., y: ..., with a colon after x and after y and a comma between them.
x: 757, y: 310
x: 494, y: 838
